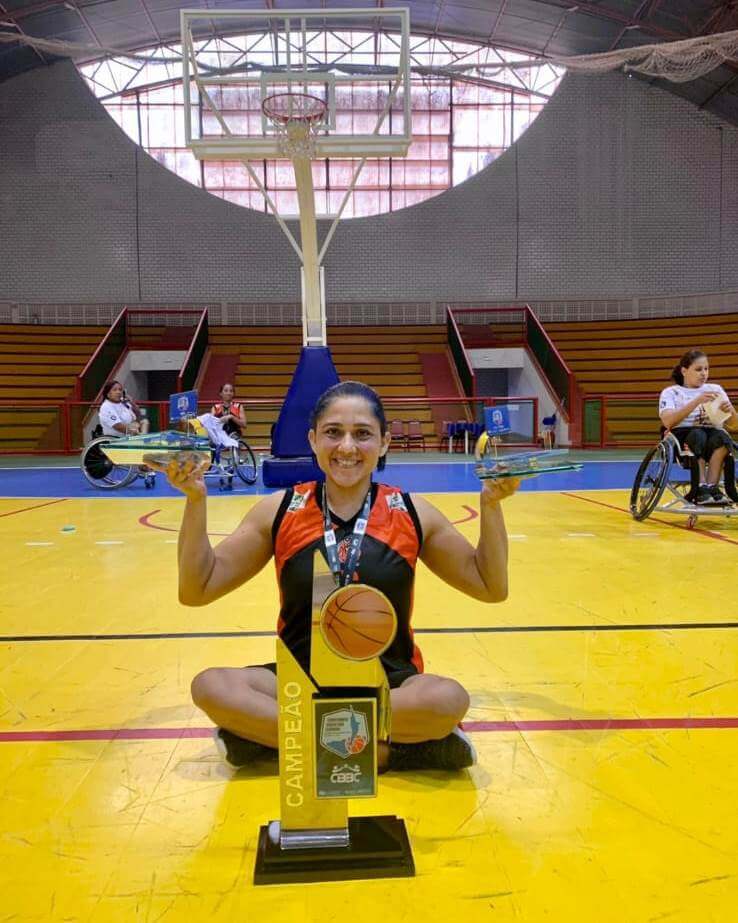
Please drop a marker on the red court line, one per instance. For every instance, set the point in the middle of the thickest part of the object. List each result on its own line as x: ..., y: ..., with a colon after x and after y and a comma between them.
x: 674, y: 525
x: 567, y: 724
x: 472, y: 514
x: 601, y: 724
x: 27, y: 509
x: 107, y: 734
x: 145, y: 520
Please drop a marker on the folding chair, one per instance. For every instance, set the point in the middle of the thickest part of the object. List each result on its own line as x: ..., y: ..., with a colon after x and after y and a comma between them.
x: 398, y: 434
x: 415, y: 435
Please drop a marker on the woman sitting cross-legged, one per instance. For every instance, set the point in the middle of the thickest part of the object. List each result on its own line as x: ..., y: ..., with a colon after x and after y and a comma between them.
x: 349, y: 438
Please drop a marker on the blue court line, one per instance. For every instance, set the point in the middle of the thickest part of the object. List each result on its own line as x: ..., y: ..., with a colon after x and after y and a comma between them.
x: 422, y: 477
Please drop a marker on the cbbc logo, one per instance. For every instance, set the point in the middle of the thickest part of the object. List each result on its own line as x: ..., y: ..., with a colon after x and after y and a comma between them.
x: 342, y: 775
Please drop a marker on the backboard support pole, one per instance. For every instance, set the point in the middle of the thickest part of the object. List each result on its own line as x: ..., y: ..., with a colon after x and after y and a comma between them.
x: 312, y: 305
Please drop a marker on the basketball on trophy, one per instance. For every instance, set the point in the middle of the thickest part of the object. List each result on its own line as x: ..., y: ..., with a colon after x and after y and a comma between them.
x: 358, y: 622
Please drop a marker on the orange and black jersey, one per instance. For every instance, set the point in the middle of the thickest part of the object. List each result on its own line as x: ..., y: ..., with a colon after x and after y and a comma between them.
x: 220, y: 409
x: 389, y: 552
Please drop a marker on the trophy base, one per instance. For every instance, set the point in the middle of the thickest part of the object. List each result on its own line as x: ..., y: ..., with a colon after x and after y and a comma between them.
x: 378, y: 848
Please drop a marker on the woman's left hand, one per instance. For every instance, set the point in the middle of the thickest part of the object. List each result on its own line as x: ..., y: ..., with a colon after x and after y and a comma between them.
x: 496, y: 489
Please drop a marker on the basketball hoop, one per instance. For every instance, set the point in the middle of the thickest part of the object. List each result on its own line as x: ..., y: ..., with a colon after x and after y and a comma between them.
x: 295, y: 117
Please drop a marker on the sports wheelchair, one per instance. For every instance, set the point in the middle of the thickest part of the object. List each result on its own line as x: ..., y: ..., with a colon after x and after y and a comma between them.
x: 104, y: 474
x: 654, y: 478
x: 227, y: 462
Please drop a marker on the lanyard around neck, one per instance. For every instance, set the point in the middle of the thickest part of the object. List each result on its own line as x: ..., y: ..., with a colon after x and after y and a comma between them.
x: 344, y: 576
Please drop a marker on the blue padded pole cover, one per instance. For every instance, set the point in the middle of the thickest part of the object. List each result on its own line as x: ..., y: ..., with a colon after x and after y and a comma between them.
x: 315, y: 373
x: 291, y: 459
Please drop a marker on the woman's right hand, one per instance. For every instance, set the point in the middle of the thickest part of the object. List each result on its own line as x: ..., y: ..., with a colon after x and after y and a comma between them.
x: 706, y: 397
x: 184, y: 471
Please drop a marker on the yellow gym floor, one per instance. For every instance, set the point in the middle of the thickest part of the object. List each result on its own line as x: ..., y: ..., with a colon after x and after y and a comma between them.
x: 604, y: 711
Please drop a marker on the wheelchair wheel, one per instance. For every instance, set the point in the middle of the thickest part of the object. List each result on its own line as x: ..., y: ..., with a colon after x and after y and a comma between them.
x: 244, y: 463
x: 100, y: 471
x: 650, y: 482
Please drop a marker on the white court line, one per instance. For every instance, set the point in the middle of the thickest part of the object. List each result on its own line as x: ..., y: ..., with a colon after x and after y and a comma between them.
x: 580, y: 535
x: 108, y: 543
x: 644, y: 534
x: 38, y: 544
x: 170, y: 541
x: 518, y: 537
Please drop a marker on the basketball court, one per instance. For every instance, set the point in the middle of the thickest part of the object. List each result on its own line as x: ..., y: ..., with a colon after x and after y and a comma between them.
x: 604, y: 710
x: 604, y: 693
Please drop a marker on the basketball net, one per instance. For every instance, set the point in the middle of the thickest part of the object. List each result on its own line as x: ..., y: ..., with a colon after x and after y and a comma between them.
x: 295, y: 118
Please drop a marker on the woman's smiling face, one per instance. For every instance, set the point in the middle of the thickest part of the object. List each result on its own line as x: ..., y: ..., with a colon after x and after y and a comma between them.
x: 348, y: 441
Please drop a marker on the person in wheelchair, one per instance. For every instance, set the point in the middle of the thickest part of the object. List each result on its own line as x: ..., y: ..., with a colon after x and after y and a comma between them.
x: 690, y: 410
x: 230, y: 412
x: 120, y: 415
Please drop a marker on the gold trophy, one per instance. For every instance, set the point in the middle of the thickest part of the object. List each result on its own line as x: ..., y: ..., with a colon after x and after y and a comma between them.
x: 330, y: 724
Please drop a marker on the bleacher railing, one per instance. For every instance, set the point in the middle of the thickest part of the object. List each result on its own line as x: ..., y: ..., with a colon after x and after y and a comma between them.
x: 105, y: 358
x: 191, y: 365
x: 549, y: 359
x: 129, y: 327
x: 479, y: 326
x: 464, y: 368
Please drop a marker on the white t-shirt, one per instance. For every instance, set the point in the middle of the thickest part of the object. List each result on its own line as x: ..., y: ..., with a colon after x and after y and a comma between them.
x: 112, y: 413
x: 677, y: 396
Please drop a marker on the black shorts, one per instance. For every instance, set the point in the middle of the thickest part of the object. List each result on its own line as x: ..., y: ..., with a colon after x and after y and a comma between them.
x: 703, y: 440
x: 396, y: 676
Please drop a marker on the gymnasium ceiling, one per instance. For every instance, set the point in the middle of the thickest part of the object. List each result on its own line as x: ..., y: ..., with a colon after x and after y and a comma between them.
x: 560, y: 27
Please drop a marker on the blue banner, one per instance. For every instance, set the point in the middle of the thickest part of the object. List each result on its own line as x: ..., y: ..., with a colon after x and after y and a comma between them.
x: 183, y: 406
x: 497, y: 420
